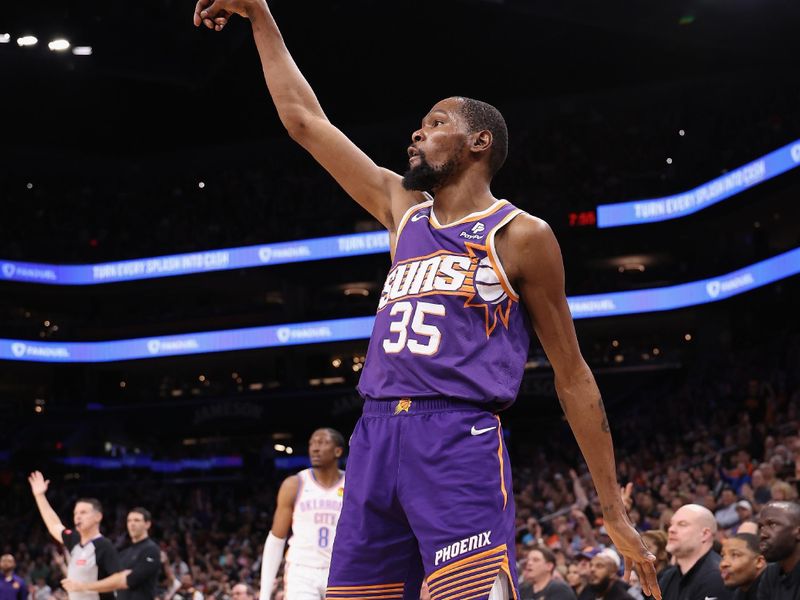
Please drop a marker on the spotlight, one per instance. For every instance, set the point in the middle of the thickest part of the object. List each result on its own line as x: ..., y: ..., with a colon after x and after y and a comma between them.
x: 5, y: 38
x: 59, y: 45
x: 27, y: 40
x: 82, y: 50
x: 669, y: 161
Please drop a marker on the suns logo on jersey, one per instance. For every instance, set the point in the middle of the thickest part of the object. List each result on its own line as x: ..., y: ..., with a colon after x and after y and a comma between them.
x: 469, y: 274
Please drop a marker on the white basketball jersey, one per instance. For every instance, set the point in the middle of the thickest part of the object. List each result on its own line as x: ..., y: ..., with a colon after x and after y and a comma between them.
x: 316, y: 513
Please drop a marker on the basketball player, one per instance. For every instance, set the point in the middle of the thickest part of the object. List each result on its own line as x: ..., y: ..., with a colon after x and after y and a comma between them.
x: 430, y: 486
x: 309, y: 504
x: 92, y: 556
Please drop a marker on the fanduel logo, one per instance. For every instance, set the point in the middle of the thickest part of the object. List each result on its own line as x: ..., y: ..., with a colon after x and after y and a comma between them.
x: 19, y: 350
x: 8, y: 270
x: 177, y: 346
x: 285, y: 334
x: 473, y: 542
x: 796, y: 153
x: 716, y: 287
x: 285, y: 253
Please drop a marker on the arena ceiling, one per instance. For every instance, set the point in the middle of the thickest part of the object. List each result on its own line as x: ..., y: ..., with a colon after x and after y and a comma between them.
x: 153, y: 80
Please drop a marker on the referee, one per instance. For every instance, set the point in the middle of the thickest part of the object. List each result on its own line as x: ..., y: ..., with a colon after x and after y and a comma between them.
x: 92, y: 556
x: 141, y: 563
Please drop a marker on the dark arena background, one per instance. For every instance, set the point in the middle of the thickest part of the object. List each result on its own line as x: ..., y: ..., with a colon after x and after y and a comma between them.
x: 185, y: 295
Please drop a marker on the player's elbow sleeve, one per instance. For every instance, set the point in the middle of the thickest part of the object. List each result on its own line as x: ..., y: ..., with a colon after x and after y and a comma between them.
x: 270, y: 563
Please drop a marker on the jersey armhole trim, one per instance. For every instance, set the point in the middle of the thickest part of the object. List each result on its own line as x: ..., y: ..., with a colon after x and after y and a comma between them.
x: 495, y: 260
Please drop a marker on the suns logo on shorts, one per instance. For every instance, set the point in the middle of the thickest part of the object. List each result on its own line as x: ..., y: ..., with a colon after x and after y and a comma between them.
x: 402, y: 406
x: 470, y: 274
x: 340, y: 492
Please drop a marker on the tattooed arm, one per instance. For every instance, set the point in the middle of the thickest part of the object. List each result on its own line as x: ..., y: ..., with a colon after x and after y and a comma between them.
x: 532, y: 259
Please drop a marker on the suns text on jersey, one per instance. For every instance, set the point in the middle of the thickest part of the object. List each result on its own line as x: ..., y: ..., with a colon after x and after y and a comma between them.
x: 442, y: 272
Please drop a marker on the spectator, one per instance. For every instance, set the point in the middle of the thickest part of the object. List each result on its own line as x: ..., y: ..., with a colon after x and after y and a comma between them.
x: 779, y: 523
x: 604, y: 582
x: 41, y: 591
x: 186, y: 590
x: 656, y: 541
x: 744, y: 512
x: 742, y: 565
x: 12, y: 586
x: 761, y: 490
x: 696, y: 573
x: 539, y: 583
x: 242, y: 591
x: 574, y: 579
x: 726, y: 509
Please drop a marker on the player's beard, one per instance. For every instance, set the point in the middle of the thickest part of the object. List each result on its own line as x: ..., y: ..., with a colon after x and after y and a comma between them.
x: 425, y: 178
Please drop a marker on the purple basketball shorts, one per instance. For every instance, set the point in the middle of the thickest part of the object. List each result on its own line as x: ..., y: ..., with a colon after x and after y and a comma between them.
x: 428, y: 495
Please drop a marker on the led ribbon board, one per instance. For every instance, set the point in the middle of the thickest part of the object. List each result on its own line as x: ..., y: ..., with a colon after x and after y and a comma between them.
x: 640, y: 212
x: 339, y: 246
x: 582, y: 307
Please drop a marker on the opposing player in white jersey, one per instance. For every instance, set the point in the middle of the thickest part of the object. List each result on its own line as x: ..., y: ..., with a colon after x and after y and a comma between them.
x: 309, y: 504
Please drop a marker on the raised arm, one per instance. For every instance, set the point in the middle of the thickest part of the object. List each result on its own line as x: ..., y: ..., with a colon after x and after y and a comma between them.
x: 276, y: 540
x: 533, y: 262
x: 39, y: 487
x: 378, y: 190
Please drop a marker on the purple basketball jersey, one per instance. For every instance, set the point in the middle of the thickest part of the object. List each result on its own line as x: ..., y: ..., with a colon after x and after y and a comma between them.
x: 449, y: 324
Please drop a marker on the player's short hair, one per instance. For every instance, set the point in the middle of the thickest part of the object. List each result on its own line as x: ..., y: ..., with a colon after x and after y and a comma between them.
x: 751, y: 540
x: 338, y: 438
x: 481, y: 115
x: 546, y: 553
x: 93, y: 501
x: 142, y: 511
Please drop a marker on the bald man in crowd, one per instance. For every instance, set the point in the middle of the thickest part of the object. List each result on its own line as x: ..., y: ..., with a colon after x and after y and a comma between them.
x: 779, y: 527
x: 696, y: 574
x: 742, y: 565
